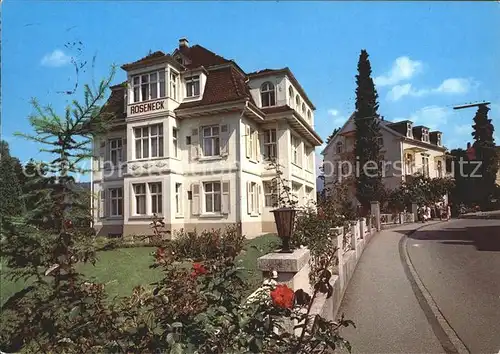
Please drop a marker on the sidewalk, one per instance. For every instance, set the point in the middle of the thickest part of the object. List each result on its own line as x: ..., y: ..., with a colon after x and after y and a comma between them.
x: 381, y: 302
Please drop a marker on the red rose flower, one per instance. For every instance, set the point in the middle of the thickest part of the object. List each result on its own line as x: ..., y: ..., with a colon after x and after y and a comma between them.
x: 68, y: 224
x: 198, y: 269
x: 283, y: 296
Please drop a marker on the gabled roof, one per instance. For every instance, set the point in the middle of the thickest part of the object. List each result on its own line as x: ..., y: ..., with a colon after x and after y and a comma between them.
x: 287, y: 72
x: 157, y: 57
x: 224, y: 84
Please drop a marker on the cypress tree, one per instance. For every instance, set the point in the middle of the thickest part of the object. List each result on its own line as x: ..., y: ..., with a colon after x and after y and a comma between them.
x: 484, y: 146
x: 11, y: 203
x: 367, y: 148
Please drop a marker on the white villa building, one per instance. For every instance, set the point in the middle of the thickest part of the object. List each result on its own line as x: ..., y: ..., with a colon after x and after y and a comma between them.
x: 191, y: 140
x: 407, y: 150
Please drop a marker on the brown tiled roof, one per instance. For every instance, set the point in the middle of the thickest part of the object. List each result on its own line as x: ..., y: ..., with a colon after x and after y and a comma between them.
x: 201, y: 56
x: 116, y: 102
x: 290, y: 75
x: 151, y: 59
x: 224, y: 84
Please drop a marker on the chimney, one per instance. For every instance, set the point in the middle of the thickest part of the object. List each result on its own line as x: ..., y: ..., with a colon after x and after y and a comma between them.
x: 183, y: 42
x: 468, y: 146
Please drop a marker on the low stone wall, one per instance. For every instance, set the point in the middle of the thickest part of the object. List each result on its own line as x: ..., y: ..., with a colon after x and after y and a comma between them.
x: 293, y: 268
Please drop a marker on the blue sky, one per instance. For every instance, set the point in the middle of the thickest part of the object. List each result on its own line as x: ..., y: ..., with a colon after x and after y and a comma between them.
x: 426, y: 56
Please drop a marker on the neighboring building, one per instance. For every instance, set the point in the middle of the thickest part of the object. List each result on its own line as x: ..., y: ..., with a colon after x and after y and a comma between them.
x: 191, y: 142
x: 407, y: 150
x: 498, y: 172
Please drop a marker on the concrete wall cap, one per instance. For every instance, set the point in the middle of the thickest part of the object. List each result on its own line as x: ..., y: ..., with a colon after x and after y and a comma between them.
x: 284, y: 262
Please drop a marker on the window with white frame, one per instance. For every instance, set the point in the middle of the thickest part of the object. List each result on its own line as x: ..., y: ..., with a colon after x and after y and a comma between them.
x: 212, y: 194
x: 295, y: 150
x: 174, y: 78
x: 267, y: 94
x: 339, y: 147
x: 439, y: 139
x: 309, y: 116
x: 252, y: 195
x: 270, y: 194
x: 115, y: 151
x: 440, y: 169
x: 290, y: 96
x: 309, y: 155
x: 193, y: 86
x: 409, y: 164
x: 211, y: 141
x: 116, y: 201
x: 140, y: 198
x: 409, y: 130
x: 175, y: 142
x: 270, y: 144
x: 425, y: 135
x: 425, y: 165
x: 178, y: 198
x: 148, y: 141
x: 148, y: 86
x: 156, y: 197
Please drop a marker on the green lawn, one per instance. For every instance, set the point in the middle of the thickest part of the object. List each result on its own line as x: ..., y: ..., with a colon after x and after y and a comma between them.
x: 124, y: 268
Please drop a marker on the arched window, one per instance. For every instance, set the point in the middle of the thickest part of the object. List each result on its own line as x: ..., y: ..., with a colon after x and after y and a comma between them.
x: 267, y: 94
x: 297, y: 102
x: 290, y: 98
x: 340, y: 147
x: 309, y: 115
x: 303, y: 109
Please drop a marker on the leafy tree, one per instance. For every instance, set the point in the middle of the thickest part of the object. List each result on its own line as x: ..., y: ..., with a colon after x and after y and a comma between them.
x: 10, y: 189
x: 369, y: 185
x: 484, y: 146
x: 461, y: 169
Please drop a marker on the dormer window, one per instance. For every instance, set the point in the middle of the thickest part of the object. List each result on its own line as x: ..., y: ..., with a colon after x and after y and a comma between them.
x: 148, y: 86
x: 339, y: 147
x: 193, y: 86
x: 267, y: 94
x: 439, y: 139
x: 425, y: 135
x: 409, y: 131
x: 290, y: 98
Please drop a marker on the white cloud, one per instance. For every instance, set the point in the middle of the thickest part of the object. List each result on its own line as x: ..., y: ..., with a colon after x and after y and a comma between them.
x: 454, y: 85
x: 333, y: 112
x: 402, y: 69
x: 448, y: 86
x: 462, y: 130
x: 56, y: 59
x: 338, y: 119
x: 433, y: 117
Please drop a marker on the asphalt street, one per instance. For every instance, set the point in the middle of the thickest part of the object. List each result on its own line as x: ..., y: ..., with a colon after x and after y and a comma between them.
x: 459, y: 263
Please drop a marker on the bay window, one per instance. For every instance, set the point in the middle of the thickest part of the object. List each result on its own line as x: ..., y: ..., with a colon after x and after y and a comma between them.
x: 148, y: 86
x: 192, y: 86
x: 148, y: 141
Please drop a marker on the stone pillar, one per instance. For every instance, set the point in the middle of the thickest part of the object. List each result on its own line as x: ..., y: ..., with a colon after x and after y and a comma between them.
x: 414, y: 210
x: 293, y: 270
x: 354, y: 231
x: 375, y: 210
x: 401, y: 218
x: 362, y: 226
x: 339, y: 231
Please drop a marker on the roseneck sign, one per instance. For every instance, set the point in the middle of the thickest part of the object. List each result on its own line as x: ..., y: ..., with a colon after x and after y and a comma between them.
x: 147, y: 107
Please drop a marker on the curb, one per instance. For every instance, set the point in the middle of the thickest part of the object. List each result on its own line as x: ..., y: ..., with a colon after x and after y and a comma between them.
x: 446, y: 335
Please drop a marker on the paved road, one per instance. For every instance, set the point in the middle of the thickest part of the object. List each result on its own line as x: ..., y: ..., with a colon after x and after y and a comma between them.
x: 459, y: 264
x: 381, y: 302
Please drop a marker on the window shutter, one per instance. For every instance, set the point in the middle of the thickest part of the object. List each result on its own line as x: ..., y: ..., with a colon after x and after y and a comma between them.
x: 195, y: 199
x: 225, y: 197
x: 259, y: 199
x: 257, y: 145
x: 102, y: 154
x: 247, y: 141
x: 224, y: 139
x: 249, y: 199
x: 195, y: 144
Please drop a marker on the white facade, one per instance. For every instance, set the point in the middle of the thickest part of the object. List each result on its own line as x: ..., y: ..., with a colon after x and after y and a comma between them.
x: 407, y: 150
x: 201, y: 166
